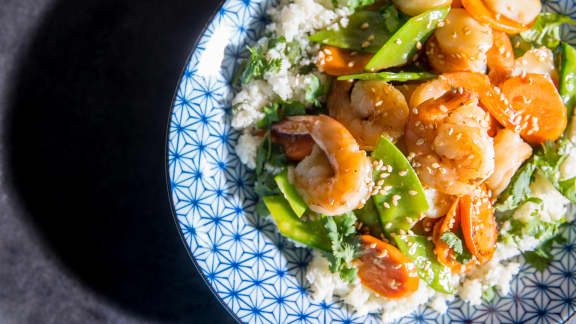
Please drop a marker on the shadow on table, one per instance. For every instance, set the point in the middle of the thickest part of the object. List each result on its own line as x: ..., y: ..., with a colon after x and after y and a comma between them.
x: 86, y: 136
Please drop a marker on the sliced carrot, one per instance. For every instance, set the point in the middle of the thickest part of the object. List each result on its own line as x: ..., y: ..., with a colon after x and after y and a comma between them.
x: 384, y: 269
x: 445, y: 254
x: 479, y: 225
x: 537, y: 110
x: 337, y: 61
x: 500, y: 58
x: 480, y: 12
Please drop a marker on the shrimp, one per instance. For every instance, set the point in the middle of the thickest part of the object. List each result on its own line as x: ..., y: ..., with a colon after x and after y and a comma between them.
x: 538, y: 61
x: 337, y: 176
x: 521, y: 11
x: 369, y: 109
x: 449, y: 140
x: 460, y: 44
x: 416, y: 7
x: 510, y: 152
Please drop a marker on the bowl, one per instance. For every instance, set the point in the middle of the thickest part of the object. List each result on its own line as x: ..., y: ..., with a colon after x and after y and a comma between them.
x: 257, y: 274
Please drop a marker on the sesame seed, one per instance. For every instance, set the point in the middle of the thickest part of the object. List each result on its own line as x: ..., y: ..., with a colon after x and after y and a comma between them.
x: 420, y: 141
x: 371, y: 37
x: 402, y: 173
x: 386, y: 205
x: 418, y: 45
x: 412, y: 192
x: 351, y: 64
x: 379, y: 103
x: 388, y: 225
x: 365, y: 25
x: 365, y: 44
x: 398, y: 41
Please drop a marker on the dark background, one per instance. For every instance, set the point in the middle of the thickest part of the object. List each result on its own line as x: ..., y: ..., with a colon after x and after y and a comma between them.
x: 86, y: 234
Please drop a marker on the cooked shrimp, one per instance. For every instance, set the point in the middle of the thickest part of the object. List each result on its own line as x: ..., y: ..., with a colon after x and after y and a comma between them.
x: 538, y: 61
x: 449, y: 140
x: 522, y: 11
x: 416, y: 7
x: 369, y: 109
x: 460, y: 44
x: 510, y: 152
x: 337, y: 176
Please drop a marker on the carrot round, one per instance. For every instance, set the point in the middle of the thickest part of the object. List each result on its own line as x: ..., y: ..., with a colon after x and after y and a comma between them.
x: 445, y: 254
x: 480, y: 12
x: 384, y: 269
x: 337, y: 61
x: 500, y: 58
x: 479, y: 225
x: 537, y: 110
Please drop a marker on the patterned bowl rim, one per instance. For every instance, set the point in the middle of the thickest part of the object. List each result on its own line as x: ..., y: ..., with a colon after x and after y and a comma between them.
x: 209, y: 18
x: 196, y: 40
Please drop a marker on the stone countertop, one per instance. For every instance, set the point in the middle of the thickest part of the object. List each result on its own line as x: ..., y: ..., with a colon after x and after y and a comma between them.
x: 86, y: 234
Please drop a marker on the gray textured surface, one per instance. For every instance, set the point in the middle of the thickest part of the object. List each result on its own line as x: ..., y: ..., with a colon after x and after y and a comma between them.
x: 114, y: 257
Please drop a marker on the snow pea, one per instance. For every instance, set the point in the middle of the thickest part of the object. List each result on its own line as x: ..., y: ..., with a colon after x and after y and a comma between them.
x: 390, y: 76
x: 289, y: 191
x: 310, y: 233
x: 421, y: 251
x: 368, y: 215
x: 401, y: 47
x: 568, y: 77
x: 366, y: 31
x: 402, y: 198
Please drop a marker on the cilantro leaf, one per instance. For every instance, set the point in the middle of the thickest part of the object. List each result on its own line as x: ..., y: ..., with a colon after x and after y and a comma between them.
x: 542, y: 256
x: 277, y: 110
x: 256, y: 66
x: 345, y: 244
x: 315, y: 91
x: 549, y: 159
x: 489, y: 294
x: 546, y: 30
x: 518, y: 189
x: 453, y: 241
x: 463, y: 256
x: 355, y: 4
x: 393, y: 19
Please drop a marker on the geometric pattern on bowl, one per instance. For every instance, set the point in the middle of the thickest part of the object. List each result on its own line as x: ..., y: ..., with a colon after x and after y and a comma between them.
x: 255, y: 272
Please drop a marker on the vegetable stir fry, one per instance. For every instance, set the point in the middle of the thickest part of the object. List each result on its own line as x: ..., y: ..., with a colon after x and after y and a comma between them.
x: 423, y: 139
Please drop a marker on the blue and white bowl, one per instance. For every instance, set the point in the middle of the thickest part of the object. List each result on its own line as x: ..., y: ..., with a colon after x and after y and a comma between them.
x: 255, y: 272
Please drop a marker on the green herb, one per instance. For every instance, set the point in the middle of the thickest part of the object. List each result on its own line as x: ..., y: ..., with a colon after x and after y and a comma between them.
x: 269, y: 153
x: 345, y: 244
x: 390, y: 76
x: 256, y: 66
x: 366, y: 31
x: 278, y: 110
x: 489, y: 294
x: 519, y: 188
x: 542, y: 256
x: 549, y: 159
x: 546, y: 30
x: 315, y: 91
x: 463, y: 256
x: 355, y: 4
x: 393, y: 19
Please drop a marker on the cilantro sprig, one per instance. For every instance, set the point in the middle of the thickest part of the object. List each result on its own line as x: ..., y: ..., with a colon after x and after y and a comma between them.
x: 345, y: 245
x: 462, y: 254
